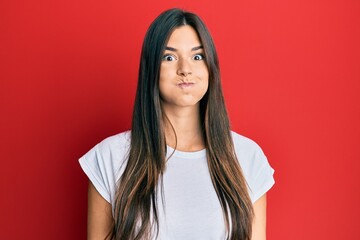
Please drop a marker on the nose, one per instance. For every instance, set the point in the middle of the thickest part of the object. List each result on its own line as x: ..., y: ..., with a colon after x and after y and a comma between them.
x: 184, y: 67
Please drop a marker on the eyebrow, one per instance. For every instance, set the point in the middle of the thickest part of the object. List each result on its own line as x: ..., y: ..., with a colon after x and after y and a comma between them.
x: 175, y: 50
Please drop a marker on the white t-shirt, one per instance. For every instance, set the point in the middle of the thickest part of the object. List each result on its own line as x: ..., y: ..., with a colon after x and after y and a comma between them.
x: 192, y: 209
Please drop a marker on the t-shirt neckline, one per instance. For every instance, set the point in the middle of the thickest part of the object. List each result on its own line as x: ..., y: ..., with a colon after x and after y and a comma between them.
x: 188, y: 155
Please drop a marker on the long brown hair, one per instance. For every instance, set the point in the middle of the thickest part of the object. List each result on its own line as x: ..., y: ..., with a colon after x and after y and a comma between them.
x: 137, y: 188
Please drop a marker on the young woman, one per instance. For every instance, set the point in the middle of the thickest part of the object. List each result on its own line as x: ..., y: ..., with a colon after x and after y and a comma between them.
x: 180, y: 173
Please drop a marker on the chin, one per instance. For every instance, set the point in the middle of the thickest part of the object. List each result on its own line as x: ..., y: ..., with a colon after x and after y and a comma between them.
x: 181, y: 104
x: 188, y: 104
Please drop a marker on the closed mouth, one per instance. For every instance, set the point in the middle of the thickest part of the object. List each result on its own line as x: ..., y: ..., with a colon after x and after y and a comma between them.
x: 185, y: 84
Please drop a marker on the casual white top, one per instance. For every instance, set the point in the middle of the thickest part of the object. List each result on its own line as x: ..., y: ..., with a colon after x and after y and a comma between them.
x: 191, y: 208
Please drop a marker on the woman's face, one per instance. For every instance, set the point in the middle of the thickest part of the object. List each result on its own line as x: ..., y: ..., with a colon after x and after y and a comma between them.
x: 184, y: 76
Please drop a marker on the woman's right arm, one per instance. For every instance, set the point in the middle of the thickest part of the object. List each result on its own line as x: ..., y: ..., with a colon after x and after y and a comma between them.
x: 100, y: 221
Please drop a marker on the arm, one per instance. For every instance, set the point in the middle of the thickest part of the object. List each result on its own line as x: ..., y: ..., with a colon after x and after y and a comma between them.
x: 100, y: 220
x: 259, y: 222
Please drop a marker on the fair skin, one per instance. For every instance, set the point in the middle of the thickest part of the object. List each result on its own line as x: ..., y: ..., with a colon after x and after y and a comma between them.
x: 100, y: 218
x: 183, y: 82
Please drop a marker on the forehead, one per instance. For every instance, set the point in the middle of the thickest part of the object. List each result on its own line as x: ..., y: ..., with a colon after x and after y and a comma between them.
x: 184, y: 36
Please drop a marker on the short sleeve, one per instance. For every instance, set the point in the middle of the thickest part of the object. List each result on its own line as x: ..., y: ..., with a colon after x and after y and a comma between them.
x: 94, y: 167
x: 104, y: 163
x: 257, y: 171
x: 261, y: 179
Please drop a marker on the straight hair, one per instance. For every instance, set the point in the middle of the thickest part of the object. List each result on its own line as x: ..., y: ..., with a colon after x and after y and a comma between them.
x: 136, y: 214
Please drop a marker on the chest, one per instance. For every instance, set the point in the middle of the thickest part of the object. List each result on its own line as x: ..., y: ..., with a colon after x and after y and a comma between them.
x: 191, y: 209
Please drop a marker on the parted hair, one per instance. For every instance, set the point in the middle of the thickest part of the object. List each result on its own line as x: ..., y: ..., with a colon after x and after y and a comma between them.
x: 136, y: 211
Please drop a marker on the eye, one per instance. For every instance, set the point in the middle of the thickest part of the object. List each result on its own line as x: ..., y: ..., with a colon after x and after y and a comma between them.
x: 168, y: 57
x: 199, y: 57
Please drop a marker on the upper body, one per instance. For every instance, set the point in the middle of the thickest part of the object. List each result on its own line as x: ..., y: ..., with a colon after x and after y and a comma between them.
x: 191, y: 209
x: 213, y: 184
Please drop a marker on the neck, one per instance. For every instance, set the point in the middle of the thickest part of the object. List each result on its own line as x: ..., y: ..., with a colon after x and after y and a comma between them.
x: 183, y: 128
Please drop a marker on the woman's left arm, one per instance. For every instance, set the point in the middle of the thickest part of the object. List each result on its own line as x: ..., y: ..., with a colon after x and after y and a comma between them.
x: 259, y: 222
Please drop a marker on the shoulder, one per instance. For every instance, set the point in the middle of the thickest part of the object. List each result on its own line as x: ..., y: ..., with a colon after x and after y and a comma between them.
x: 244, y: 145
x: 248, y: 152
x: 116, y: 143
x: 112, y: 152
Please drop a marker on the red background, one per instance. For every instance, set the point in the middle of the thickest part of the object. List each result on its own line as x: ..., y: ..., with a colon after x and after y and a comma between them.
x: 291, y: 79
